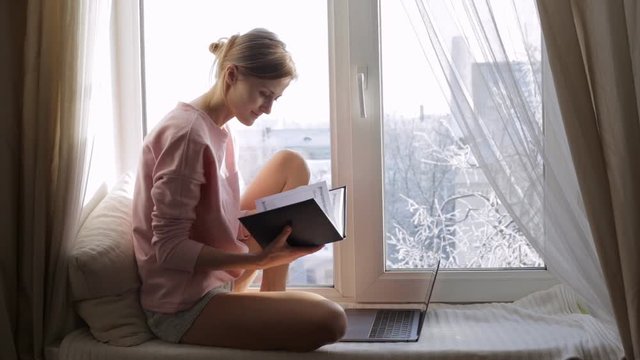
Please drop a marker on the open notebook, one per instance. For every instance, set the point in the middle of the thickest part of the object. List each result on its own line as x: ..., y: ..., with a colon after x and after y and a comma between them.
x: 317, y: 216
x: 389, y: 325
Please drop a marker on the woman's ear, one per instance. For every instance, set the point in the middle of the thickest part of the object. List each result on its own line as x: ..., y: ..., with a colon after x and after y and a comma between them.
x: 231, y: 74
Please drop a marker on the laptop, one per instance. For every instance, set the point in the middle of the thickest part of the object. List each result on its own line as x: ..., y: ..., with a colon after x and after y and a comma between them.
x: 388, y: 325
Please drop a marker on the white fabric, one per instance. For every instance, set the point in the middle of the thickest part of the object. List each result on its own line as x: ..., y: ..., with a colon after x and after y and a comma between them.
x: 507, y: 136
x: 544, y: 325
x: 102, y: 271
x: 569, y: 247
x: 101, y: 257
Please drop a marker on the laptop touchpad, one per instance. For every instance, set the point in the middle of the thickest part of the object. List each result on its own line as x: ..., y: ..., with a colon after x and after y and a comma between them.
x: 359, y: 322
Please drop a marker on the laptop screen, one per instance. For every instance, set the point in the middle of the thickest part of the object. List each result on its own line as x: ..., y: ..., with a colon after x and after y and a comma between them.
x: 427, y: 296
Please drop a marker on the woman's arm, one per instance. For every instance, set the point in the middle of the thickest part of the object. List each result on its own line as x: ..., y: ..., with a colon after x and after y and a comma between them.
x: 277, y: 253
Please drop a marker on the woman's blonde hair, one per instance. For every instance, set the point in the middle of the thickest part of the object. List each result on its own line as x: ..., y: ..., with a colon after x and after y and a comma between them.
x: 258, y: 53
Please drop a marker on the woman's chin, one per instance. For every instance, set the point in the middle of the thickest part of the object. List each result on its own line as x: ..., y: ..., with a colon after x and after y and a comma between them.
x: 247, y: 121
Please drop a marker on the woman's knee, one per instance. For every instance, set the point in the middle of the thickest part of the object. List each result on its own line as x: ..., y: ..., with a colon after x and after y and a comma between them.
x: 336, y: 321
x: 293, y: 164
x: 330, y: 323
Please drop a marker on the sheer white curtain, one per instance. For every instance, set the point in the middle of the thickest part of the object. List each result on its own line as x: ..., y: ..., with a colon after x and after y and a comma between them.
x: 85, y: 102
x: 99, y: 101
x: 516, y: 132
x: 113, y: 101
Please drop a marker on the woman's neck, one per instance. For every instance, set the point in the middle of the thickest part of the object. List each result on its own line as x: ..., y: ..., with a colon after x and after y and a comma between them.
x: 213, y: 104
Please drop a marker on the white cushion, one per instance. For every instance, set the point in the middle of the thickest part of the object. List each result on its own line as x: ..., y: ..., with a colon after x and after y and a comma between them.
x: 103, y: 273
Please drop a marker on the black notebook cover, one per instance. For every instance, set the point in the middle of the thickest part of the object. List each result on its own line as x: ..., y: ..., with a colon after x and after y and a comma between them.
x: 310, y: 225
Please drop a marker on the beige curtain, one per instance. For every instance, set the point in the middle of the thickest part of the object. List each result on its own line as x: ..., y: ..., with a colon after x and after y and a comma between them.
x: 594, y: 52
x: 12, y: 31
x: 42, y: 168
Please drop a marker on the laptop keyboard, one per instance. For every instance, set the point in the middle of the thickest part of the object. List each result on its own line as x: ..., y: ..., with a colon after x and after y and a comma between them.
x: 391, y: 324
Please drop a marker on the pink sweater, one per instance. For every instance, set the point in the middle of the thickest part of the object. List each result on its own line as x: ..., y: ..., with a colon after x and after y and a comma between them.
x: 186, y: 196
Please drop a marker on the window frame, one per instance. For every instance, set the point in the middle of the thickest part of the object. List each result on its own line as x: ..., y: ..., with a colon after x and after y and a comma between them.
x: 357, y: 150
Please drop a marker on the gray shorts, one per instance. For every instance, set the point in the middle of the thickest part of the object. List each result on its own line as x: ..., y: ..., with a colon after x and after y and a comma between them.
x: 171, y: 327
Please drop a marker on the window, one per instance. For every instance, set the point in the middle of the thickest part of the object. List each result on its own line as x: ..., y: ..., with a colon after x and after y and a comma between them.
x: 423, y: 194
x: 362, y: 114
x: 435, y: 193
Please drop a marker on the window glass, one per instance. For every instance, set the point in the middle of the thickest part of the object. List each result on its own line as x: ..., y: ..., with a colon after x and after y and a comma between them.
x: 436, y: 197
x: 178, y: 67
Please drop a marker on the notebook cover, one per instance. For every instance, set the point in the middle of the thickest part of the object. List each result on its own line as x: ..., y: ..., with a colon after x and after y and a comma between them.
x: 310, y: 225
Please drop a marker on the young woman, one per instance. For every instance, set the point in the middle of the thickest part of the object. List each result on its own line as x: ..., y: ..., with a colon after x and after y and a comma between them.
x: 194, y: 258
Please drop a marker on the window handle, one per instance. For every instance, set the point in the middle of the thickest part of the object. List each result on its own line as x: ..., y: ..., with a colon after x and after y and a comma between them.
x: 361, y: 77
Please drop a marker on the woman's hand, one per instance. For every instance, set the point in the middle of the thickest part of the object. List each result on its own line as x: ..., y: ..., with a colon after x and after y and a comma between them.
x: 279, y: 252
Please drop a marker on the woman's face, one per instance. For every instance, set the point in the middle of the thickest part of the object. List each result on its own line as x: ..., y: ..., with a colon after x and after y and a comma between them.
x: 249, y: 97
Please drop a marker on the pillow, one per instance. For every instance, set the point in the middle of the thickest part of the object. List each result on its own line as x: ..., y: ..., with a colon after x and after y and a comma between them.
x: 103, y: 273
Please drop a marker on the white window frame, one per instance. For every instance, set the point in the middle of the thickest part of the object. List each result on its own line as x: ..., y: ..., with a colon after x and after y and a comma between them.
x: 357, y: 162
x: 359, y: 274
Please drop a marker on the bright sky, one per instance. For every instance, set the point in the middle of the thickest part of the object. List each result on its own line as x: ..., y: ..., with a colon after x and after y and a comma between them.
x: 178, y: 33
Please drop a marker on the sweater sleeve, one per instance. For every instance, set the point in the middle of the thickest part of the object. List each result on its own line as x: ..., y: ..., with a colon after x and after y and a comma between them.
x: 178, y: 176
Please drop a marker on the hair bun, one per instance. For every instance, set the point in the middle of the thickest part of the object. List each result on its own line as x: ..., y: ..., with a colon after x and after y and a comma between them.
x: 216, y: 47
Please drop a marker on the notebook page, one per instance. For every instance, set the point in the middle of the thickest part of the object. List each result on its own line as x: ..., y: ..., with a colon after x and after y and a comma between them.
x: 318, y: 191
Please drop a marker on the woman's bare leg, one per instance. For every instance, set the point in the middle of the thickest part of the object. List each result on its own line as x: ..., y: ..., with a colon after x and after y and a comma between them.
x: 242, y: 283
x: 273, y: 320
x: 278, y: 320
x: 284, y: 171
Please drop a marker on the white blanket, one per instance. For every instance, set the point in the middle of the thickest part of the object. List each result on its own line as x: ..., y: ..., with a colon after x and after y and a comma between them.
x: 544, y: 325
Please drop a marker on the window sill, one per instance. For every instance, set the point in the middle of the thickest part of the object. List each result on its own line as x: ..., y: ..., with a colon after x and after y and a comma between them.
x: 545, y: 325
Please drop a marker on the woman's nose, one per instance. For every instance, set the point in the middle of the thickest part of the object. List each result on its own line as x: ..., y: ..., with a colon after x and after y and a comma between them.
x: 266, y: 107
